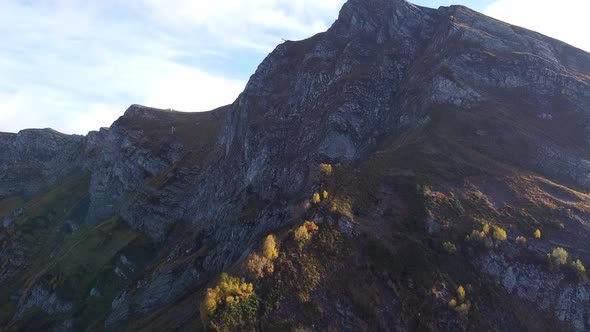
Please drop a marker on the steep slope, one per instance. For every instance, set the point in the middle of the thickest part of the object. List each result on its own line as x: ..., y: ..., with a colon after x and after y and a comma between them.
x: 435, y: 123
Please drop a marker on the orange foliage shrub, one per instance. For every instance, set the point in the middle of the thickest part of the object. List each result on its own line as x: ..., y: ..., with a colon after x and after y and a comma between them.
x: 303, y: 233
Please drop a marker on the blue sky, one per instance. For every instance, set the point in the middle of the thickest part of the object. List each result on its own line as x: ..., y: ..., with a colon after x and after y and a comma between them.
x: 76, y: 65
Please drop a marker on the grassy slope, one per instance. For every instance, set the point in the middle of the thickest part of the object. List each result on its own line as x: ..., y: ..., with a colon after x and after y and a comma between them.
x: 395, y: 273
x: 69, y: 263
x: 389, y: 269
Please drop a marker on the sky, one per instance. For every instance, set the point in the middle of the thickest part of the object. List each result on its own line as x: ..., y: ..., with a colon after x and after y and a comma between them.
x: 76, y: 65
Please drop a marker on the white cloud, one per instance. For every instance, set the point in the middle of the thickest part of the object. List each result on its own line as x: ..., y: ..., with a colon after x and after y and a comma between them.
x: 77, y: 65
x: 97, y: 116
x: 566, y: 20
x: 189, y: 89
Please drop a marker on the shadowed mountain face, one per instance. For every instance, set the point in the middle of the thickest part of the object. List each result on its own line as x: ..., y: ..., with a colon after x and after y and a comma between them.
x: 427, y: 147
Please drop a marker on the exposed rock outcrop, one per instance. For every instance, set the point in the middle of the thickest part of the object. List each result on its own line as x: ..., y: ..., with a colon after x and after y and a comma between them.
x: 204, y: 188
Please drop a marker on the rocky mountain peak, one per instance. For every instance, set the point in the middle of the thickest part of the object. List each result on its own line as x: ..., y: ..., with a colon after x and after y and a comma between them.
x: 391, y: 140
x: 369, y: 15
x: 146, y: 112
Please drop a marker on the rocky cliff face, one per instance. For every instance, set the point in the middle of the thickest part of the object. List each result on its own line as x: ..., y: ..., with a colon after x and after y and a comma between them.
x: 435, y: 121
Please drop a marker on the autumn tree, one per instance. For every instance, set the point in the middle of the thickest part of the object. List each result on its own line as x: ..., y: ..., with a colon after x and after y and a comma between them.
x: 579, y: 268
x: 316, y: 198
x: 557, y: 257
x: 450, y: 247
x: 499, y: 234
x: 311, y: 226
x: 485, y: 229
x: 230, y: 291
x: 261, y: 265
x: 461, y: 293
x: 326, y: 169
x: 209, y: 304
x: 269, y: 249
x: 303, y: 233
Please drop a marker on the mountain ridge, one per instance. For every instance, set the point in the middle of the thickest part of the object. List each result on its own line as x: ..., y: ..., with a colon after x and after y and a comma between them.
x: 435, y: 123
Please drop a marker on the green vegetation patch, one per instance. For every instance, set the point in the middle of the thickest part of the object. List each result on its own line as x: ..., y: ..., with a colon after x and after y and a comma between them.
x: 9, y: 204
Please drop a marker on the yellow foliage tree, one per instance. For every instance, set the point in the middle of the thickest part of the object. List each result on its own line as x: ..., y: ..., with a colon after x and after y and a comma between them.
x: 464, y: 307
x: 461, y: 293
x: 499, y: 234
x: 209, y: 305
x: 452, y: 303
x: 269, y: 249
x: 302, y: 235
x: 580, y: 268
x: 326, y: 169
x: 316, y: 198
x: 325, y: 194
x: 537, y: 234
x: 557, y: 257
x: 229, y: 291
x: 476, y: 235
x: 486, y: 229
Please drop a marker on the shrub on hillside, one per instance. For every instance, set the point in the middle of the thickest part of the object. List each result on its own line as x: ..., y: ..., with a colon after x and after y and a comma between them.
x: 259, y: 265
x: 269, y: 248
x: 461, y: 293
x: 452, y: 303
x: 537, y: 234
x: 579, y: 268
x: 557, y: 257
x: 229, y: 292
x: 499, y: 234
x: 476, y: 235
x: 326, y: 169
x: 464, y: 307
x: 480, y: 238
x: 303, y: 233
x: 311, y: 226
x: 316, y: 198
x: 485, y: 229
x: 341, y: 206
x: 450, y: 247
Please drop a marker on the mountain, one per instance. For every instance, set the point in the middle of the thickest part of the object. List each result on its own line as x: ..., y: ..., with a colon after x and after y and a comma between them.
x: 408, y: 169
